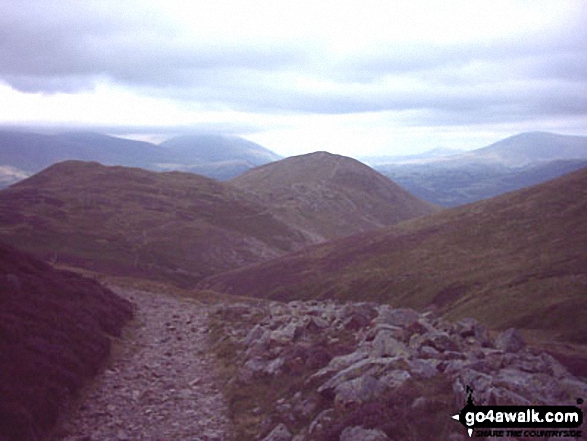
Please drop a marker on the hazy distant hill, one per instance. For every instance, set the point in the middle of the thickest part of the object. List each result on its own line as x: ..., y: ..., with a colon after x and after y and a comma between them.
x: 55, y: 329
x: 452, y: 184
x: 513, y: 163
x: 121, y: 220
x: 515, y: 260
x: 530, y: 148
x: 216, y: 148
x: 32, y: 152
x: 433, y: 154
x: 220, y: 157
x: 328, y: 196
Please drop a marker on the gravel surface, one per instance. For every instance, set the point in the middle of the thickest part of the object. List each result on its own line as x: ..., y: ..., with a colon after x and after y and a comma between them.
x: 160, y: 383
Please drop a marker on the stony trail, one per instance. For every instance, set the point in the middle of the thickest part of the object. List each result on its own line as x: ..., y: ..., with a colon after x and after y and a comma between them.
x: 160, y: 384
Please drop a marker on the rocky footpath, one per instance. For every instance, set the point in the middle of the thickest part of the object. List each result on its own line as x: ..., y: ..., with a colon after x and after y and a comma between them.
x: 160, y: 384
x: 359, y: 371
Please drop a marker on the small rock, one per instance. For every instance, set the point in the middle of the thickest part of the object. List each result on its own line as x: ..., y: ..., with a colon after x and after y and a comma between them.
x: 385, y: 345
x: 254, y: 334
x: 317, y: 323
x: 369, y: 366
x: 510, y: 340
x: 323, y: 419
x: 121, y: 435
x: 402, y: 317
x: 279, y: 433
x: 395, y: 378
x: 420, y: 368
x: 358, y: 433
x: 440, y: 341
x: 428, y: 352
x: 357, y: 391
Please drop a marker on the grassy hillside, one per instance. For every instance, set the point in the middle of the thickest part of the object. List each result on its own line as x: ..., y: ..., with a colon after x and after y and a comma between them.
x: 54, y: 335
x: 176, y: 226
x: 329, y: 196
x: 515, y: 260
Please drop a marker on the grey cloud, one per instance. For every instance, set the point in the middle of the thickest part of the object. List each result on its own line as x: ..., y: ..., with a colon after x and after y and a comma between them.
x: 207, y: 128
x: 67, y: 46
x: 52, y: 84
x: 531, y: 55
x: 52, y: 52
x: 519, y: 105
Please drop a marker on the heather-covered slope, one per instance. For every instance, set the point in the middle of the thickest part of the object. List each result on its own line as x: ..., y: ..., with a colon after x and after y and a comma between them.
x: 329, y: 196
x: 515, y: 260
x: 54, y: 335
x: 176, y: 226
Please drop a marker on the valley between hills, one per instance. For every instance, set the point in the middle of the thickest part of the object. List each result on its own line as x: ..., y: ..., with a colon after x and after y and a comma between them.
x: 316, y: 294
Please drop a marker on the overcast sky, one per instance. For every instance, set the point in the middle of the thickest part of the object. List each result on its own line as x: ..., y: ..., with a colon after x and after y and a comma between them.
x: 351, y: 77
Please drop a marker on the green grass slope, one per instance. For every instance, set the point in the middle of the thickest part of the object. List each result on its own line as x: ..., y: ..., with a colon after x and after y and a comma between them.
x: 515, y: 260
x: 55, y: 329
x: 174, y: 226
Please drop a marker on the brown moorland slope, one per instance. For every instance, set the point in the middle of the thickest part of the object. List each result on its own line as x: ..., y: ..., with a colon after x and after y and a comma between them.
x: 329, y: 196
x: 55, y: 329
x: 128, y: 221
x: 515, y: 260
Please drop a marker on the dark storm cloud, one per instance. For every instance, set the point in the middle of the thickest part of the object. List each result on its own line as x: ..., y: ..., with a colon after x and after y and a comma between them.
x: 69, y: 46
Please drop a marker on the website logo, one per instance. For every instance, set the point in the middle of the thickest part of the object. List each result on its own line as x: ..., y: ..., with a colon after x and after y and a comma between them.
x: 516, y: 421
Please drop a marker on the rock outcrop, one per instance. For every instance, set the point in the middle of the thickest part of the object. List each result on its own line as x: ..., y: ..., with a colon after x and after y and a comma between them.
x: 368, y: 371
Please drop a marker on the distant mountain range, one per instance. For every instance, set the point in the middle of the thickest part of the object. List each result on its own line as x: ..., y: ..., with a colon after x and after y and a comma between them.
x: 513, y: 163
x: 515, y: 260
x: 183, y: 227
x: 221, y: 157
x: 441, y: 176
x: 530, y: 148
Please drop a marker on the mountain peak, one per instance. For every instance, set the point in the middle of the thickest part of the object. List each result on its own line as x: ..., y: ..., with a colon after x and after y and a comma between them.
x: 329, y: 195
x: 532, y: 147
x: 311, y: 167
